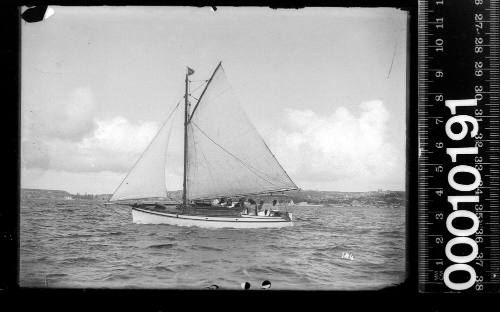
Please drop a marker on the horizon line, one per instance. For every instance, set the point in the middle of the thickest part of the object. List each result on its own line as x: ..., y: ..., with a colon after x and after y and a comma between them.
x: 301, y: 190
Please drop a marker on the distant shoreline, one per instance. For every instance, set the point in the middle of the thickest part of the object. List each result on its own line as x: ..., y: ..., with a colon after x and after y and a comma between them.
x: 300, y: 198
x: 353, y: 192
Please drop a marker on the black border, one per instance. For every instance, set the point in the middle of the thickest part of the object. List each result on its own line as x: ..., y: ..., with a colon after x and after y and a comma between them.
x: 10, y: 127
x: 398, y: 298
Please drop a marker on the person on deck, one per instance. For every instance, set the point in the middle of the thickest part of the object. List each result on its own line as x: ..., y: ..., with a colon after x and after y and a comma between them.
x: 254, y: 205
x: 260, y: 206
x: 222, y: 202
x: 270, y: 211
x: 242, y: 206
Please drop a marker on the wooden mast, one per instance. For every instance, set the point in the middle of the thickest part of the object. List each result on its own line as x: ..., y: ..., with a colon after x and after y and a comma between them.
x: 186, y: 115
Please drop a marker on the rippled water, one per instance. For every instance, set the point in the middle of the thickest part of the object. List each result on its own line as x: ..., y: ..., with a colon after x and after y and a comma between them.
x: 87, y: 244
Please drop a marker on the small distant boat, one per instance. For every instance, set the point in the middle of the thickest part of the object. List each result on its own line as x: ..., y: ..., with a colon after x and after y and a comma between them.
x: 224, y: 157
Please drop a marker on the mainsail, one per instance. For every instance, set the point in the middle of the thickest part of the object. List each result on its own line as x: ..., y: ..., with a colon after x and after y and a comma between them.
x: 226, y: 154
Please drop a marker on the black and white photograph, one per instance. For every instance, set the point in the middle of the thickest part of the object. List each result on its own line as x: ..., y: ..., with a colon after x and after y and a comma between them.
x: 214, y: 148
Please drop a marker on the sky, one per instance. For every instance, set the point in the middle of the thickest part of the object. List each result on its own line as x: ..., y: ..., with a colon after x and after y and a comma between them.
x: 325, y: 87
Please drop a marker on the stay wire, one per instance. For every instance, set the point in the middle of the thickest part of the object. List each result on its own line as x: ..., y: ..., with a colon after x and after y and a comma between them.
x: 234, y: 156
x: 149, y: 145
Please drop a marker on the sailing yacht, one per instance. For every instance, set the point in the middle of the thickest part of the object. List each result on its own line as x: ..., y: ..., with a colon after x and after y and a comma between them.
x: 224, y: 157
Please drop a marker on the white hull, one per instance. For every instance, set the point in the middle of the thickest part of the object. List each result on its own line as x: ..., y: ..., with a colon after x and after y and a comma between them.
x: 143, y: 216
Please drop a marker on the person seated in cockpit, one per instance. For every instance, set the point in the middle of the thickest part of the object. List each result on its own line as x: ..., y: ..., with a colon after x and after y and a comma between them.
x: 223, y: 202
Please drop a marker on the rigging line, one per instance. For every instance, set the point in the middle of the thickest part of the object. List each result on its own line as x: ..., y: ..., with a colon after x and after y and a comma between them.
x: 175, y: 200
x: 213, y: 97
x: 250, y: 130
x: 258, y: 173
x: 208, y: 165
x: 256, y: 131
x: 264, y: 193
x: 204, y: 90
x: 284, y: 171
x: 282, y: 178
x: 198, y: 87
x: 225, y: 90
x: 195, y: 163
x: 245, y: 116
x: 149, y: 145
x: 255, y: 171
x: 166, y: 147
x: 262, y: 139
x: 203, y: 80
x: 222, y: 92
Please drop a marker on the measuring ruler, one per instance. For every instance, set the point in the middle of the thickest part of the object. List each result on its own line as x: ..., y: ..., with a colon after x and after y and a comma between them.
x: 458, y: 147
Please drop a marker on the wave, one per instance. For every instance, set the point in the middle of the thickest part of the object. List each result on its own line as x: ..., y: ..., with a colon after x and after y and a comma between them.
x: 266, y: 270
x: 79, y: 235
x: 113, y: 277
x: 185, y: 266
x: 274, y: 247
x: 206, y: 248
x: 392, y: 233
x: 321, y: 256
x: 363, y: 231
x: 211, y: 261
x: 162, y: 246
x: 115, y: 233
x: 327, y: 249
x: 305, y: 256
x: 163, y: 269
x: 80, y: 259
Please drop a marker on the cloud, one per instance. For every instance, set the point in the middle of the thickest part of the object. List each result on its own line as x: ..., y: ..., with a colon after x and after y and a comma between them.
x: 98, y: 161
x: 76, y: 119
x: 340, y: 146
x: 34, y: 154
x: 69, y: 118
x: 346, y: 147
x: 119, y: 135
x: 65, y: 135
x: 114, y: 145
